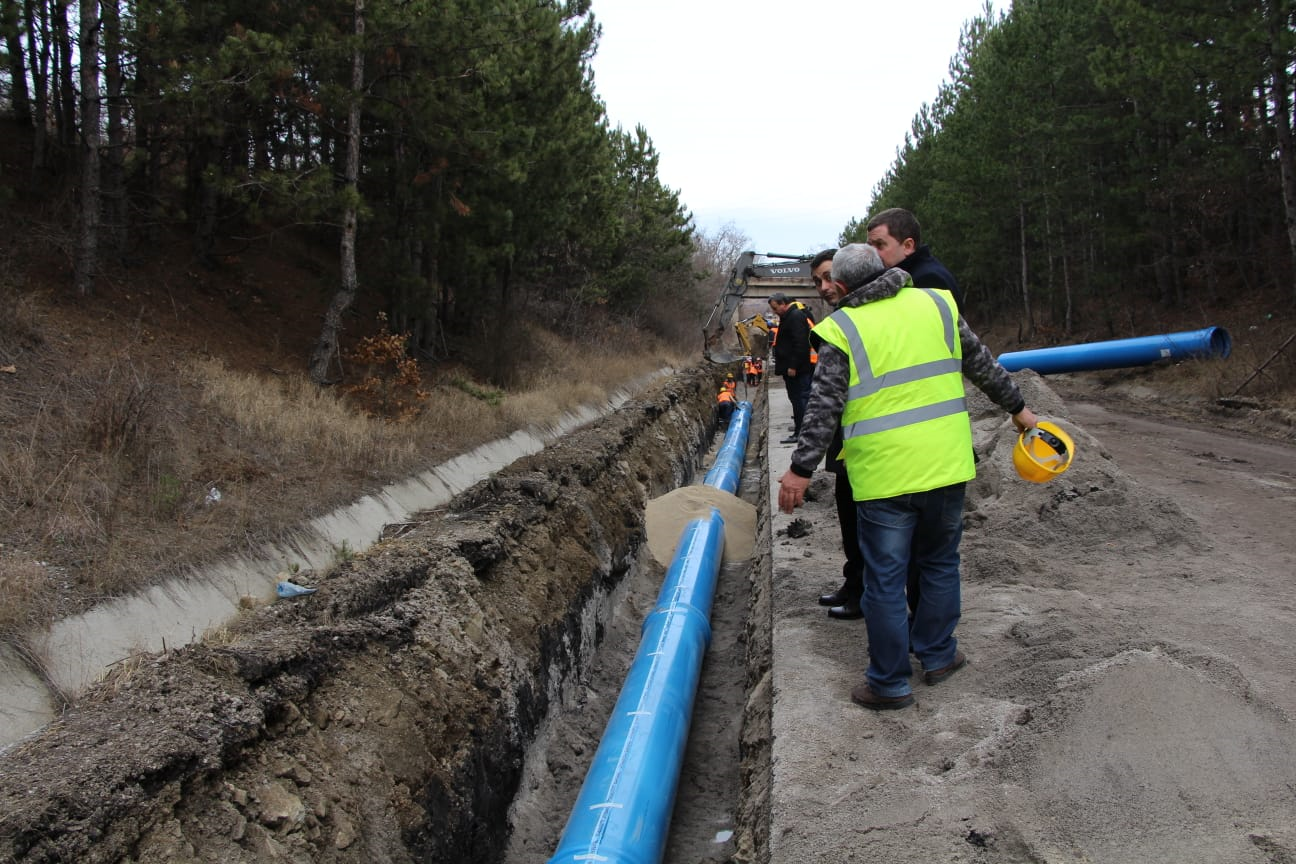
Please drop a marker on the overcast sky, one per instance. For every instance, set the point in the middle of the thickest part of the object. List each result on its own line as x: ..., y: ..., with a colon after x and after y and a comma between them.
x: 779, y: 117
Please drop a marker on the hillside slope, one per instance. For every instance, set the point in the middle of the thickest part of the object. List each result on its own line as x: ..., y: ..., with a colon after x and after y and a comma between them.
x: 165, y: 420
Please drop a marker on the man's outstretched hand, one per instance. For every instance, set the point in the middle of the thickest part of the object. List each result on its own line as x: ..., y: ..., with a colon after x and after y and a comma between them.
x: 792, y: 490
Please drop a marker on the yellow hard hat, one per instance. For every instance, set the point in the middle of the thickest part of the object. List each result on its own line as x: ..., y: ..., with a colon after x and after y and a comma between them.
x: 1043, y: 453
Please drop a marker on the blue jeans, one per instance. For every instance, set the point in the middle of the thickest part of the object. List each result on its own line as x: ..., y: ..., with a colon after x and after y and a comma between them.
x: 926, y: 526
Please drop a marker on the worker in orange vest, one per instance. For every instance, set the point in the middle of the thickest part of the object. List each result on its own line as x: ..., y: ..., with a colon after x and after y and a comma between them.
x: 726, y: 402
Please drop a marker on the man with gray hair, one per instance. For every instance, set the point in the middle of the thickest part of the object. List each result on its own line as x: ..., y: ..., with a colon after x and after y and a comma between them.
x: 890, y: 373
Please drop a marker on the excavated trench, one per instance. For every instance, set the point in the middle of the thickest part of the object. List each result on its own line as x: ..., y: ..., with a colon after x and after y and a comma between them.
x: 440, y: 697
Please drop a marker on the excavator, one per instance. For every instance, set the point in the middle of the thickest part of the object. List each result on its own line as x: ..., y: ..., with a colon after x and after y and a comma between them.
x: 753, y: 283
x: 753, y: 334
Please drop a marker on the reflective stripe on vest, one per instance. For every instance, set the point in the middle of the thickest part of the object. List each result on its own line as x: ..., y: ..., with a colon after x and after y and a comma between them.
x: 905, y: 423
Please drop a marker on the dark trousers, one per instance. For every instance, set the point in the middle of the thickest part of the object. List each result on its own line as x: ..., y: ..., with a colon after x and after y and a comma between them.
x: 853, y: 569
x: 798, y: 391
x: 724, y: 413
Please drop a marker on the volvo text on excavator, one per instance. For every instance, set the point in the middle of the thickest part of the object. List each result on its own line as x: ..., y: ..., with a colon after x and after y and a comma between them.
x: 746, y: 295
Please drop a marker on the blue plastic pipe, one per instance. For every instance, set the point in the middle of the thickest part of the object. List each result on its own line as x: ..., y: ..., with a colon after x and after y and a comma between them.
x: 1120, y: 353
x: 727, y: 467
x: 622, y: 815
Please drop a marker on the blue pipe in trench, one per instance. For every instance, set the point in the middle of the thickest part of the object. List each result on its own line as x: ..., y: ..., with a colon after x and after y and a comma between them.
x: 622, y: 814
x: 1119, y: 353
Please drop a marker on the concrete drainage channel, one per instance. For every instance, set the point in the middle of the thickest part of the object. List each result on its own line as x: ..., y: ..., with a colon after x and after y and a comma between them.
x: 60, y: 664
x: 440, y: 697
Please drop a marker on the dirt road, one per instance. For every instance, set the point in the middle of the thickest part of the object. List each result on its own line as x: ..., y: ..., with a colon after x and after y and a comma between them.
x: 1131, y: 691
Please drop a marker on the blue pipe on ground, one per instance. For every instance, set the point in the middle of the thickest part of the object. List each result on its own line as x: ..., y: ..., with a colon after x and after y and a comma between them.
x: 1119, y: 353
x: 727, y: 467
x: 622, y: 815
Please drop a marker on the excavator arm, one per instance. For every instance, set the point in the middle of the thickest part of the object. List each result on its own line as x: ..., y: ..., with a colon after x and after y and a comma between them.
x: 749, y: 281
x: 746, y: 330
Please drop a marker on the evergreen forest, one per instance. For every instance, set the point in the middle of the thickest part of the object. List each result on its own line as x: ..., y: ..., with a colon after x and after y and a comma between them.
x: 454, y: 153
x: 1084, y: 159
x: 1081, y: 157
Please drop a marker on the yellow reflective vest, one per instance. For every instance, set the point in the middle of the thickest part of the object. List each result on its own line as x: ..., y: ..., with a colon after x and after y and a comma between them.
x: 905, y: 426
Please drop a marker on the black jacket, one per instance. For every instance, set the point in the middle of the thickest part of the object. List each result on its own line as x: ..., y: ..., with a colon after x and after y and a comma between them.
x: 928, y: 272
x: 792, y: 351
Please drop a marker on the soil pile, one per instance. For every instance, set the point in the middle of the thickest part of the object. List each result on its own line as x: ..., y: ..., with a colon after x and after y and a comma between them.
x: 1127, y: 696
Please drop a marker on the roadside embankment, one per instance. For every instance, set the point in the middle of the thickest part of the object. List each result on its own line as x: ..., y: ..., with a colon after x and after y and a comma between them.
x: 386, y: 716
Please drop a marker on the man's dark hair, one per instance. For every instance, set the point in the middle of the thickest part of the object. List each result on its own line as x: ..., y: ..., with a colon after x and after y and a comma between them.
x: 900, y: 224
x: 825, y: 255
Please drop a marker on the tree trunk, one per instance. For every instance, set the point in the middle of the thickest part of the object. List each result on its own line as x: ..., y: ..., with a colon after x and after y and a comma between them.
x: 1282, y: 104
x: 1069, y: 303
x: 38, y: 62
x: 19, y: 98
x: 88, y: 239
x: 1025, y: 285
x: 114, y: 175
x: 65, y: 119
x: 327, y: 346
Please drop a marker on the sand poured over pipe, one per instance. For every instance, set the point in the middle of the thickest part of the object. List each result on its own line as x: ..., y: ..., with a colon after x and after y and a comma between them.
x: 667, y: 515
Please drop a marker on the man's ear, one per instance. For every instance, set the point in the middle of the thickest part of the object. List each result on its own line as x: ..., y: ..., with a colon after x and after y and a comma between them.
x: 909, y: 245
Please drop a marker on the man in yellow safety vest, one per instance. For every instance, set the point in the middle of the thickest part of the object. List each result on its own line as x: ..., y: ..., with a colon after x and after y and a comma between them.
x: 891, y: 369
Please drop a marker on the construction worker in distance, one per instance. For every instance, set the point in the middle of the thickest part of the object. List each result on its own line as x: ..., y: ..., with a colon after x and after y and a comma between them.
x: 792, y: 356
x: 759, y: 364
x: 729, y: 383
x: 749, y: 370
x: 726, y: 402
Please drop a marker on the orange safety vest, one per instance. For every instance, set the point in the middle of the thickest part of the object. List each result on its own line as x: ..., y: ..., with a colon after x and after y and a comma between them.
x: 731, y: 386
x: 725, y: 395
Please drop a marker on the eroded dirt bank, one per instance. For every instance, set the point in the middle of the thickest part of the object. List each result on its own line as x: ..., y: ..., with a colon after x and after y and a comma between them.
x: 383, y: 718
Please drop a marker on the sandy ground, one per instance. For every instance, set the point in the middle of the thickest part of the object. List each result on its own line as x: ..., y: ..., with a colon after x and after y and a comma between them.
x: 1130, y: 631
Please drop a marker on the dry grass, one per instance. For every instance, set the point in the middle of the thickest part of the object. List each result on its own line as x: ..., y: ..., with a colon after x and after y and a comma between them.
x: 302, y: 421
x: 115, y: 445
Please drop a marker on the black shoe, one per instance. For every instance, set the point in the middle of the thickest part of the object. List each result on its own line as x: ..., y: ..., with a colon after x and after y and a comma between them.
x: 791, y: 439
x: 836, y: 598
x: 848, y: 611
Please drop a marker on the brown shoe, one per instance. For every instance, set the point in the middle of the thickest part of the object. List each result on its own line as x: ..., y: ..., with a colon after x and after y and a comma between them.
x: 864, y: 695
x: 935, y: 676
